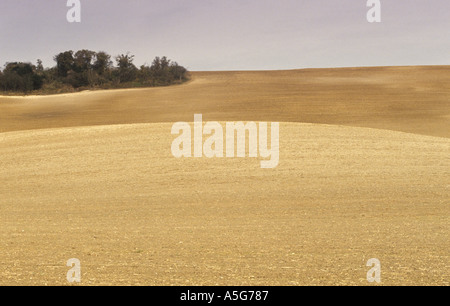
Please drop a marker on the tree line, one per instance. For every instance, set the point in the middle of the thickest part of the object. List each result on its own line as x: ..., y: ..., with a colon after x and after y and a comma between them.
x: 87, y: 69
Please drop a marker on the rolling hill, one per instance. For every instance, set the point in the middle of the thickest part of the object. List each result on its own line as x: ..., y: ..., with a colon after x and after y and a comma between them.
x: 363, y: 173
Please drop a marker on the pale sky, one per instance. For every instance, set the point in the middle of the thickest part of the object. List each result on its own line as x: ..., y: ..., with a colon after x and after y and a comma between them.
x: 232, y: 34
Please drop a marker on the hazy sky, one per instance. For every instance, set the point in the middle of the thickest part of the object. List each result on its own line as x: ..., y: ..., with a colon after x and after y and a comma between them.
x: 232, y: 34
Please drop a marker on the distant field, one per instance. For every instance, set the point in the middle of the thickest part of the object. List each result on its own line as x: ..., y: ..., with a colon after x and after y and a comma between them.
x: 363, y: 173
x: 408, y: 99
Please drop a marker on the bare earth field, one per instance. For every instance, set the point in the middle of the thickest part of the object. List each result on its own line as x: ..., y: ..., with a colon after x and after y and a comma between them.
x: 363, y: 173
x: 407, y: 99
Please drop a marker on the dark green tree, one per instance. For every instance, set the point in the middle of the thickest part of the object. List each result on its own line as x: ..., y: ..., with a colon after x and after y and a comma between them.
x: 102, y: 63
x: 82, y: 61
x: 21, y: 77
x: 39, y: 66
x: 64, y: 63
x: 126, y: 69
x: 86, y: 68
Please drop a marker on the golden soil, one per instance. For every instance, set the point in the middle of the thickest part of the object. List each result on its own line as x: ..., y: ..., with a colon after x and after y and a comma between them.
x: 351, y: 184
x: 407, y: 99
